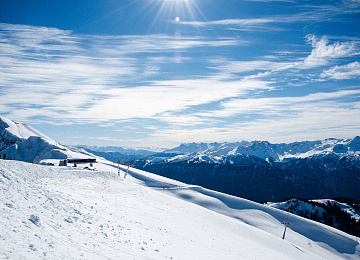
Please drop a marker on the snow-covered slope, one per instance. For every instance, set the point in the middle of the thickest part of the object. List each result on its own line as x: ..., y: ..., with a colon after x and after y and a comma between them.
x: 17, y: 130
x: 343, y: 206
x: 66, y: 213
x: 19, y: 141
x: 341, y: 215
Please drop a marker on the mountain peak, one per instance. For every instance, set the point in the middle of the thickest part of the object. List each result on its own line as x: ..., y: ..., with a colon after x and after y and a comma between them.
x: 355, y: 144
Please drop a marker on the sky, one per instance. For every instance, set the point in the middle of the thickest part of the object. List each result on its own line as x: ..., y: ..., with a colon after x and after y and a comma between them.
x: 157, y: 73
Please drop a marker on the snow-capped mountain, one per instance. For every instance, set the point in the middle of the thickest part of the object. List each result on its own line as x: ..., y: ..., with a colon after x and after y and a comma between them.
x: 226, y: 152
x: 66, y: 213
x: 262, y: 171
x: 265, y: 150
x: 19, y: 141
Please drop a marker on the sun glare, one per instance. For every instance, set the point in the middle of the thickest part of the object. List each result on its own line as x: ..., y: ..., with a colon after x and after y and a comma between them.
x: 177, y: 10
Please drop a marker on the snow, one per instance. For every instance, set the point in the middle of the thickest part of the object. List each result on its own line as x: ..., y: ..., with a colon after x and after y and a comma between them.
x: 264, y: 149
x: 345, y: 207
x: 299, y: 205
x: 71, y: 213
x: 22, y: 130
x: 19, y: 141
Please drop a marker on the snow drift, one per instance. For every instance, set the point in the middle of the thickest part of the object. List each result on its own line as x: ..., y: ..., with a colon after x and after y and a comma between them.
x: 19, y: 141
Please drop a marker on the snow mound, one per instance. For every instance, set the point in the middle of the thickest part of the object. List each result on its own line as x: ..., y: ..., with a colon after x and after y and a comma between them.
x: 19, y: 141
x: 17, y: 130
x: 67, y: 213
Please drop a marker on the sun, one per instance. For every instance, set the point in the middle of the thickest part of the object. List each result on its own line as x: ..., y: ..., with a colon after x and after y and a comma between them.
x: 158, y: 15
x: 175, y: 0
x: 177, y: 10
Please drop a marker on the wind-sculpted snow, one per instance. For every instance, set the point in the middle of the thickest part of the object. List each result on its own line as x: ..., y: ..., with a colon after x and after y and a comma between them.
x: 19, y: 130
x: 68, y: 213
x: 19, y: 141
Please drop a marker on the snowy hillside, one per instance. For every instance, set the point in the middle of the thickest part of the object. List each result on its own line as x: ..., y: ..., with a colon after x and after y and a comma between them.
x: 349, y: 209
x: 341, y: 215
x: 19, y: 141
x: 67, y: 213
x: 14, y: 131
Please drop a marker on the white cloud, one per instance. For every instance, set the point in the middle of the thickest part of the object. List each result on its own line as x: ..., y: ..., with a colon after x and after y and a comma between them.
x: 313, y: 12
x: 279, y: 106
x: 164, y: 96
x: 322, y: 51
x: 352, y: 4
x: 244, y: 66
x: 284, y: 119
x: 278, y: 119
x: 46, y: 71
x: 159, y: 43
x: 351, y: 70
x: 231, y: 22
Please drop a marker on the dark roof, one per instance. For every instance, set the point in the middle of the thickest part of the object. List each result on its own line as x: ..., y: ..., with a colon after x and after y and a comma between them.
x: 89, y: 160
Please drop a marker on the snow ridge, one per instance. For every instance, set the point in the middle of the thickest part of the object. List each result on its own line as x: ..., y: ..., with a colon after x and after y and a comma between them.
x: 19, y: 141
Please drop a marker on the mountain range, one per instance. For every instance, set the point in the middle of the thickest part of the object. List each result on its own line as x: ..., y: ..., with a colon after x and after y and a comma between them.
x: 262, y: 171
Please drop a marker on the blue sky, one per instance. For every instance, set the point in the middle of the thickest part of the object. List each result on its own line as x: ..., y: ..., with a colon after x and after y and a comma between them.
x: 157, y: 73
